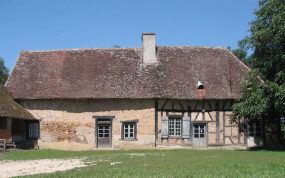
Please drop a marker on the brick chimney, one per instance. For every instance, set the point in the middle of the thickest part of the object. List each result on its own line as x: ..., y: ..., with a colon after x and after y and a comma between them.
x: 149, y: 51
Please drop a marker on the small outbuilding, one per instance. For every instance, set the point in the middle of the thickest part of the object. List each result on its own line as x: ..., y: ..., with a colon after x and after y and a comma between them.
x: 16, y: 123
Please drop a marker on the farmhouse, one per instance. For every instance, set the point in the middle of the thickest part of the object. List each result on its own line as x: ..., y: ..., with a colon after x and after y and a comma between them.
x: 16, y: 124
x: 134, y: 98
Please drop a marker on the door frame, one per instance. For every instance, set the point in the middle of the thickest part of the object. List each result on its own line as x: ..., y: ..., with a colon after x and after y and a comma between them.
x: 205, y: 133
x: 97, y: 123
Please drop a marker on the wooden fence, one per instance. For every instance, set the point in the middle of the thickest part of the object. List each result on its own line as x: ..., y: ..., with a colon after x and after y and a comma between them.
x: 4, y: 145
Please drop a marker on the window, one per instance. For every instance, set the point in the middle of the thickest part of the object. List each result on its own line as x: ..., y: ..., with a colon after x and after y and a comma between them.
x: 174, y: 126
x: 171, y: 126
x: 33, y: 130
x: 199, y: 131
x: 254, y: 129
x: 104, y: 131
x: 129, y: 130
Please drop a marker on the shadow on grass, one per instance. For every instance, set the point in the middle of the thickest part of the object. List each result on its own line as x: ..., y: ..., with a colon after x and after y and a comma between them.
x: 277, y: 149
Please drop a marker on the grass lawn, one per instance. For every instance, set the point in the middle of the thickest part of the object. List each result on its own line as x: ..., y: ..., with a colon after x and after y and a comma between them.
x: 164, y: 163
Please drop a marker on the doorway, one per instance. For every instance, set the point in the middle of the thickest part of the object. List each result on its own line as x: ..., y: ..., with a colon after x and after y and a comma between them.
x: 200, y: 136
x: 104, y: 133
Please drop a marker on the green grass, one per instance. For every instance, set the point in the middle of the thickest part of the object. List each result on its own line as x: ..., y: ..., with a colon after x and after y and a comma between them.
x: 165, y: 163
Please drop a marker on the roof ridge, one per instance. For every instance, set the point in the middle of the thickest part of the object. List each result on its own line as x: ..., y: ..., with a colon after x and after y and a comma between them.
x: 213, y: 47
x: 103, y: 48
x: 79, y: 49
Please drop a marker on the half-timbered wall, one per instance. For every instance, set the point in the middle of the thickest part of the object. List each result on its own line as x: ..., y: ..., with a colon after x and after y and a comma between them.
x: 215, y: 115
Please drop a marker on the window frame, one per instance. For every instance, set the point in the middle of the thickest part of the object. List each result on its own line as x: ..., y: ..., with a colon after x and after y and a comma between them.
x: 185, y: 127
x: 123, y: 124
x: 252, y: 129
x: 35, y: 130
x: 199, y: 129
x: 175, y: 118
x: 104, y: 134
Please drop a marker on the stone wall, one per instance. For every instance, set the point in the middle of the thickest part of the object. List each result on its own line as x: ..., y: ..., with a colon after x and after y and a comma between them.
x: 69, y: 124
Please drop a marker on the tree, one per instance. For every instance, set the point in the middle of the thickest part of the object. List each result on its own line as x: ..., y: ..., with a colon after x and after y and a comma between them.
x: 252, y: 104
x: 116, y: 46
x: 4, y: 72
x: 267, y: 38
x: 267, y: 41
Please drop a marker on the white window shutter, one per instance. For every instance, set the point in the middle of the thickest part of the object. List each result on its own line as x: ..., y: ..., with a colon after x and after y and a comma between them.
x: 186, y: 127
x: 164, y: 127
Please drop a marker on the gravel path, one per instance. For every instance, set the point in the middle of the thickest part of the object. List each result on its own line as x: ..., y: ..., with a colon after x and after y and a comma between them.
x: 20, y: 168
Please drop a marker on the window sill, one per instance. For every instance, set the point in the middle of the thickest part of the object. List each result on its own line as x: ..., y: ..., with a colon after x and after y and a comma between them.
x: 129, y: 139
x: 174, y: 136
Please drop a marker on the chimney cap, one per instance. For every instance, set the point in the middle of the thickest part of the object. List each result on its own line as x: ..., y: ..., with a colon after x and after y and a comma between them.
x: 147, y: 34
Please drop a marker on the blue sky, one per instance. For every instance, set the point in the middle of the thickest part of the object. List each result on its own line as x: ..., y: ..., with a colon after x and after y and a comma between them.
x: 61, y: 24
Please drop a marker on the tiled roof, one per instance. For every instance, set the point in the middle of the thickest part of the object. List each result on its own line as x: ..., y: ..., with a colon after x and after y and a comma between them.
x: 9, y: 108
x: 121, y: 73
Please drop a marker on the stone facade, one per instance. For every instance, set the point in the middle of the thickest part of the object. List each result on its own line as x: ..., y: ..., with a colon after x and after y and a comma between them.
x: 70, y: 124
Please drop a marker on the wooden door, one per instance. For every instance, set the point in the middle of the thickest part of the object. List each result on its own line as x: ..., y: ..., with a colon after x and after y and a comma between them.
x: 200, y: 135
x: 104, y: 135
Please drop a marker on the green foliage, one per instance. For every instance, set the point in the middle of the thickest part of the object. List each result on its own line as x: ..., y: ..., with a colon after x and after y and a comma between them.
x: 253, y: 102
x: 260, y: 98
x: 276, y: 94
x: 267, y: 41
x: 165, y: 163
x: 4, y: 72
x: 116, y: 46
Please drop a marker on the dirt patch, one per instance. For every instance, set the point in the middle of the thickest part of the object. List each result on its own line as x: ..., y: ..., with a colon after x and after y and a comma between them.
x: 21, y: 168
